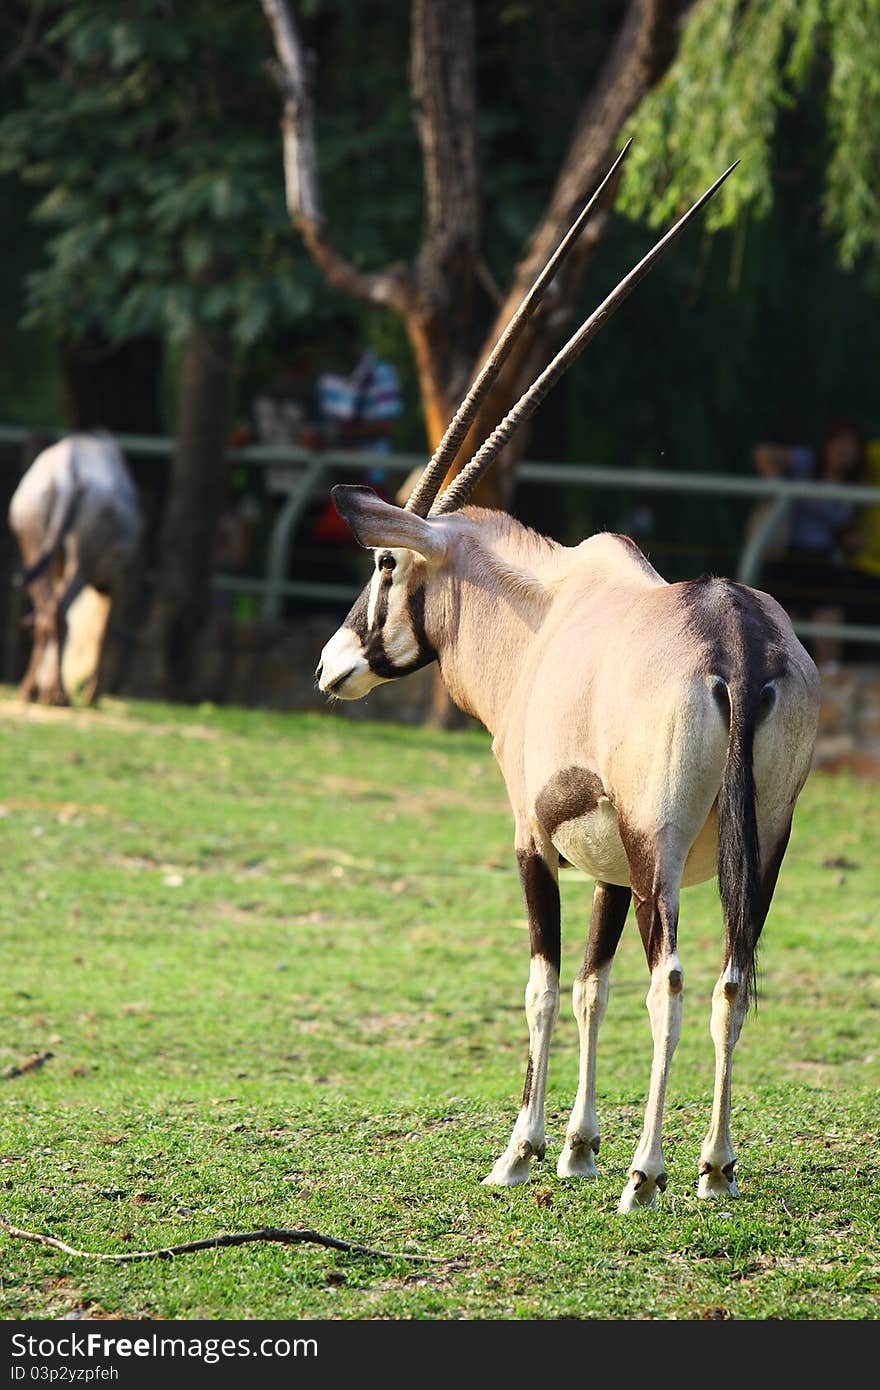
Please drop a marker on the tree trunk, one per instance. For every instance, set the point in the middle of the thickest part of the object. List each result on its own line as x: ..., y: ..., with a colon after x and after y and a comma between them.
x: 182, y: 600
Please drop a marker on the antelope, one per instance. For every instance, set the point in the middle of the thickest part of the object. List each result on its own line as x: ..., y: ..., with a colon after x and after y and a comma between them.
x: 78, y: 523
x: 653, y: 734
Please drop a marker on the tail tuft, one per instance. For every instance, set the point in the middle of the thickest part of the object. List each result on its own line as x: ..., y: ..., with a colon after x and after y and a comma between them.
x: 739, y: 854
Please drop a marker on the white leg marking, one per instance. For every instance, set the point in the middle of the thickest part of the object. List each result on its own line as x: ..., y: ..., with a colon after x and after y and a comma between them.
x: 717, y: 1157
x: 527, y: 1139
x: 589, y: 999
x: 664, y: 1001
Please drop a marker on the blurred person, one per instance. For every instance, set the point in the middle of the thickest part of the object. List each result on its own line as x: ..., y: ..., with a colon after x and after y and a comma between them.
x: 811, y: 573
x: 239, y: 543
x: 358, y: 409
x: 863, y: 606
x: 286, y: 406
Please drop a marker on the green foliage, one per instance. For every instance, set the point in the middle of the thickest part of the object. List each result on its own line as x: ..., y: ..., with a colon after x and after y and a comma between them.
x: 279, y: 961
x: 740, y: 67
x: 852, y: 208
x: 152, y: 142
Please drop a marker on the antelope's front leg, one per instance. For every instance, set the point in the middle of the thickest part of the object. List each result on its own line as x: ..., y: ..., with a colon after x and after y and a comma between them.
x: 541, y: 890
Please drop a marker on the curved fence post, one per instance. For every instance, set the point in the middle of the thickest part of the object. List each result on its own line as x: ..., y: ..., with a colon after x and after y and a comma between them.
x: 768, y: 526
x: 282, y: 534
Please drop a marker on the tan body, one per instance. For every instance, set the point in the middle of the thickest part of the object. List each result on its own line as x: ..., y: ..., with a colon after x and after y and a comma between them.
x: 608, y: 693
x: 653, y: 734
x: 639, y: 714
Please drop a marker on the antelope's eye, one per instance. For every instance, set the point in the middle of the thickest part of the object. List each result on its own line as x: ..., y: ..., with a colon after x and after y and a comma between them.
x: 387, y: 563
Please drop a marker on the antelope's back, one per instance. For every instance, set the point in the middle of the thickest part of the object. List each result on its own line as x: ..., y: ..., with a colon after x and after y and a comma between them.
x: 630, y: 701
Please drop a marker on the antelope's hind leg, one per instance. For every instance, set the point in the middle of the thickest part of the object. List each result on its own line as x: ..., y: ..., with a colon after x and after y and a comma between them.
x: 730, y: 999
x: 590, y: 1000
x: 656, y: 879
x: 541, y: 890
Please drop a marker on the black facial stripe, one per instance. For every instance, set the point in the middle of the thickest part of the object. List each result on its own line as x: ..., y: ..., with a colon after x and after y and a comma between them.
x: 371, y: 638
x: 381, y: 613
x: 357, y: 618
x: 415, y: 607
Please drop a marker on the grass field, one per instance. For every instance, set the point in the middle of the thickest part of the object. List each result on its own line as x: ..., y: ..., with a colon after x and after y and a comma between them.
x: 279, y: 962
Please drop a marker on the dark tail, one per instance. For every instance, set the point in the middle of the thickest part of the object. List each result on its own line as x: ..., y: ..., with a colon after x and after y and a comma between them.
x: 739, y: 855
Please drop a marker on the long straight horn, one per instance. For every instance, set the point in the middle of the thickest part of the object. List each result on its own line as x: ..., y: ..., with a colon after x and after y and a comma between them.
x: 463, y: 485
x: 428, y: 485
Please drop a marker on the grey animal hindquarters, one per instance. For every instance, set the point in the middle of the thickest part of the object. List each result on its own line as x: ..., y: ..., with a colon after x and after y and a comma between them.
x: 78, y: 523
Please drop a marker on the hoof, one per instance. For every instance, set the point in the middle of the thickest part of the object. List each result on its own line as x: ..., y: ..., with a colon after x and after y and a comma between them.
x: 717, y: 1182
x: 578, y: 1158
x: 641, y: 1191
x: 513, y: 1167
x: 54, y: 695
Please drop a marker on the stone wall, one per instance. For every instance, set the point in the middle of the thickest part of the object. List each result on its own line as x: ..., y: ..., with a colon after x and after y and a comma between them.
x: 849, y: 720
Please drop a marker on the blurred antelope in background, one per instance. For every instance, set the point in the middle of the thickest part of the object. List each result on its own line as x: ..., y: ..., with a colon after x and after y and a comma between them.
x: 78, y: 523
x: 655, y: 735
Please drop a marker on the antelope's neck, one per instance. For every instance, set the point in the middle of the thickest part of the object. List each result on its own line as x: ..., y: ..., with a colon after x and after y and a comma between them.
x: 495, y: 599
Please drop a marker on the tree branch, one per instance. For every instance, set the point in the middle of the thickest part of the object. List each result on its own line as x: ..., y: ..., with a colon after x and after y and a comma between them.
x: 390, y: 287
x: 276, y: 1235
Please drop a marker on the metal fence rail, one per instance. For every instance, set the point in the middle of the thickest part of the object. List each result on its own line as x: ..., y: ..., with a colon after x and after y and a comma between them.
x: 296, y: 474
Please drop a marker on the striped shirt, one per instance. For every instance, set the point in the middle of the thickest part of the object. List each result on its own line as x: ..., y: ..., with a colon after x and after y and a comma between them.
x: 371, y: 393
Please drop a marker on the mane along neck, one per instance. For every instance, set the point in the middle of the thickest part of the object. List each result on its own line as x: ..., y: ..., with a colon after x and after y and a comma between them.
x: 516, y: 551
x: 497, y: 594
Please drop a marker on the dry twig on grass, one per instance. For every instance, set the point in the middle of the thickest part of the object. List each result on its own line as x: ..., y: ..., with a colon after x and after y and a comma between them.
x: 34, y: 1063
x: 277, y: 1235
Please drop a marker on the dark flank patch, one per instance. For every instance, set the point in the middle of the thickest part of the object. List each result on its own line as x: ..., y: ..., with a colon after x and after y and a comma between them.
x: 573, y: 792
x: 610, y: 906
x: 541, y: 893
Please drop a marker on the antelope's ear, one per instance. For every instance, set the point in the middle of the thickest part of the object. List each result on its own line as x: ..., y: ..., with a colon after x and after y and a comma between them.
x: 377, y: 523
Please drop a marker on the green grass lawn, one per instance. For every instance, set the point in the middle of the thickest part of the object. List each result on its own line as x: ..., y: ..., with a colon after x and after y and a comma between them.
x: 279, y: 962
